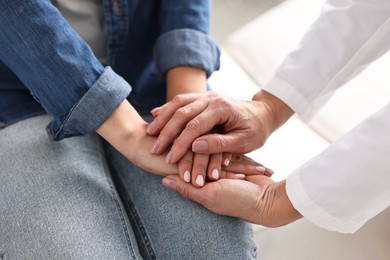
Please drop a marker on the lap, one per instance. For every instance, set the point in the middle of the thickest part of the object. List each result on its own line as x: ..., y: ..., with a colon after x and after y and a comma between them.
x: 169, y: 226
x: 57, y: 200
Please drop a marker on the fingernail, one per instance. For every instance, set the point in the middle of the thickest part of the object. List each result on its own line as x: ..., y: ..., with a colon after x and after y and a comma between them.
x: 270, y: 171
x: 155, y: 146
x: 155, y: 110
x: 215, y: 174
x: 169, y: 183
x: 187, y: 176
x: 200, y: 180
x: 260, y: 169
x: 200, y: 146
x: 151, y: 127
x: 226, y: 162
x: 169, y: 156
x: 240, y: 175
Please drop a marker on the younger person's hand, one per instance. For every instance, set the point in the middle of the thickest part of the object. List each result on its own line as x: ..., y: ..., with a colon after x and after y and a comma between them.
x: 126, y: 131
x: 198, y: 168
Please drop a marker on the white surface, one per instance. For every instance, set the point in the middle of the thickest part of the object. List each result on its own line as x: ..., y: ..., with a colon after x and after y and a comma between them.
x: 261, y: 45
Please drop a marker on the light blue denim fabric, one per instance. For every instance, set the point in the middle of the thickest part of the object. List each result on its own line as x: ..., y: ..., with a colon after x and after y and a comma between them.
x: 58, y: 201
x: 41, y: 56
x: 168, y: 226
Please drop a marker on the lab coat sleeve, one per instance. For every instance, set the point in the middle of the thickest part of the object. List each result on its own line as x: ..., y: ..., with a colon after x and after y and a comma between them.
x: 345, y: 39
x: 349, y: 183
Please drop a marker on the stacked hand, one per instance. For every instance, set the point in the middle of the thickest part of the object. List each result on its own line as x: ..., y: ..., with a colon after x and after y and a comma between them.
x: 186, y: 123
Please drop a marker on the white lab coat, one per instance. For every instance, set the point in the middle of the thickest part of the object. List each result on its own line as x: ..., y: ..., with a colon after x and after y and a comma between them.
x: 348, y: 183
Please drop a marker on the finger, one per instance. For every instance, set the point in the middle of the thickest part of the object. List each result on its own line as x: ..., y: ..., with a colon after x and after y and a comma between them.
x: 168, y: 110
x: 248, y: 169
x: 259, y: 179
x: 199, y: 169
x: 232, y: 175
x: 214, y: 167
x: 185, y: 167
x: 156, y: 111
x: 173, y: 129
x: 217, y: 143
x: 247, y: 166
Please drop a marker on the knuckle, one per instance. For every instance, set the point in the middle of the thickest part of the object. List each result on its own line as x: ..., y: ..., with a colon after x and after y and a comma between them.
x: 181, y: 144
x: 182, y: 113
x: 220, y: 143
x: 178, y: 99
x: 194, y: 126
x: 166, y: 134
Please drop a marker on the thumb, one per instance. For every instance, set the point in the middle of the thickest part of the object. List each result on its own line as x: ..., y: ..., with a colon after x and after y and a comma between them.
x: 219, y: 143
x: 187, y: 190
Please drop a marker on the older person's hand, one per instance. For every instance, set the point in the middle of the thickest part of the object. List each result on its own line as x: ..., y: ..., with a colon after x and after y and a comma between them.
x: 244, y: 125
x: 257, y: 199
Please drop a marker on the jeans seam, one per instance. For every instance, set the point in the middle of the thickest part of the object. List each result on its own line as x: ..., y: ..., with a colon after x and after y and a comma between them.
x: 134, y: 215
x: 121, y: 214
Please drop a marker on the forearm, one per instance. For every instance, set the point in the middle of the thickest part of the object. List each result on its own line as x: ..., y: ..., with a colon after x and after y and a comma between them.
x: 184, y: 79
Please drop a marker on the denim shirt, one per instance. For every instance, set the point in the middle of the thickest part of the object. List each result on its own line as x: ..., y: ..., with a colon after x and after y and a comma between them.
x: 46, y: 67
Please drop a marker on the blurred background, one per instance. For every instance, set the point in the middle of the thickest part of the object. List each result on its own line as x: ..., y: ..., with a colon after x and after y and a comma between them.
x: 230, y: 15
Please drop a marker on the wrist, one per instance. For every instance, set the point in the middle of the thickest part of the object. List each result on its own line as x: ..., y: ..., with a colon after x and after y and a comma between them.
x: 279, y: 112
x: 284, y: 211
x: 123, y: 124
x: 185, y: 79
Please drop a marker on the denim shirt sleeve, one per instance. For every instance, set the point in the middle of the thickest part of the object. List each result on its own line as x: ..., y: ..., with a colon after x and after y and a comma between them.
x: 184, y: 39
x: 58, y: 67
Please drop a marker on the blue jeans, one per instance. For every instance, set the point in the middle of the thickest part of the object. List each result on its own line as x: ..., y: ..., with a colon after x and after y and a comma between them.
x: 80, y: 199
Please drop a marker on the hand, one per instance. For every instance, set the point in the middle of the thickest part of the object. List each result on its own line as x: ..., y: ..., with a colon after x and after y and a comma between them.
x: 125, y: 130
x: 257, y: 199
x: 245, y: 125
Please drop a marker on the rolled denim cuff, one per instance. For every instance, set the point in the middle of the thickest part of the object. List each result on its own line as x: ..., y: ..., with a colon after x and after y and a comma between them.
x: 186, y: 47
x: 105, y: 95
